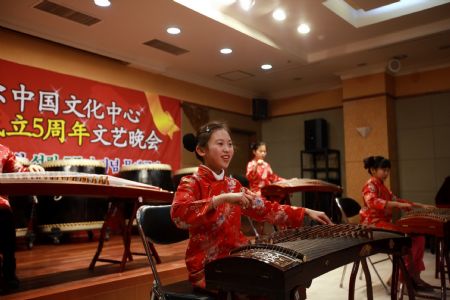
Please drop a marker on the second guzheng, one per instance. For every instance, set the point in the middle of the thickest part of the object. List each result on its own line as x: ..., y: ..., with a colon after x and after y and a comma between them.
x: 299, y: 185
x: 73, y: 183
x: 292, y: 258
x: 435, y: 222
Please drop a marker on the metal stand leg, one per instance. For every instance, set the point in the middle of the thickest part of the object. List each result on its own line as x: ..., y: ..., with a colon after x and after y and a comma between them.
x: 341, y: 284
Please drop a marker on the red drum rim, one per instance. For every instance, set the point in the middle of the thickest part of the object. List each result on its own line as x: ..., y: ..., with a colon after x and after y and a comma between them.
x: 137, y: 167
x: 189, y: 170
x: 73, y: 162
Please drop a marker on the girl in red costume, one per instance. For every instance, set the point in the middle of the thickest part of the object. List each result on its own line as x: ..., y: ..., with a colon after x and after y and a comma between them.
x: 377, y: 211
x: 259, y: 173
x: 210, y: 204
x: 9, y: 164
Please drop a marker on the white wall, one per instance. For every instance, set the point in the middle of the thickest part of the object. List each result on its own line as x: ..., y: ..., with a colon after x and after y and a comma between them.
x: 423, y: 136
x: 285, y: 138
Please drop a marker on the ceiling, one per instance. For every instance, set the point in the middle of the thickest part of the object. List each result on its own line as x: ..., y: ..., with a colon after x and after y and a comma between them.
x: 348, y: 38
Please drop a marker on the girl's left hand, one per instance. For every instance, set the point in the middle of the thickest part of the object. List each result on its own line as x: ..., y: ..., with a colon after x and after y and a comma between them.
x: 36, y: 168
x: 318, y: 216
x: 427, y: 206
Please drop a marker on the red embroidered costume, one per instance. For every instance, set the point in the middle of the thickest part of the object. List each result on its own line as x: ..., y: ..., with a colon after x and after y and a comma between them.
x: 261, y: 176
x: 213, y: 233
x: 375, y: 213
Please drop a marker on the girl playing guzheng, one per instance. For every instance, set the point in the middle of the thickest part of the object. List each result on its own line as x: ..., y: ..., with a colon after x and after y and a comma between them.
x: 259, y: 173
x: 9, y: 164
x: 210, y: 204
x: 377, y: 211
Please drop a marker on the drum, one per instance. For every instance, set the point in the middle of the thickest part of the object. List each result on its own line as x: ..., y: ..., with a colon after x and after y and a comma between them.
x: 180, y: 173
x: 23, y: 208
x: 57, y: 214
x: 154, y: 174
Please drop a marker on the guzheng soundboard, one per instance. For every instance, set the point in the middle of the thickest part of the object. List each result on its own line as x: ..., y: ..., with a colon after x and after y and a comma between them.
x: 73, y: 183
x: 299, y: 185
x: 435, y: 222
x: 292, y: 258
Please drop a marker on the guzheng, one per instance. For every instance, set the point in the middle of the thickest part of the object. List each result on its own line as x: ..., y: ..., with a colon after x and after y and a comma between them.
x: 433, y: 222
x: 292, y: 258
x: 299, y: 185
x: 73, y: 183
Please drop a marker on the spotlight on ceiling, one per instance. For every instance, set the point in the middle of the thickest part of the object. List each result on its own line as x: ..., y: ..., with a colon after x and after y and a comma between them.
x: 226, y: 50
x: 173, y: 30
x: 303, y: 28
x: 226, y: 2
x: 279, y: 14
x: 102, y: 3
x: 246, y: 4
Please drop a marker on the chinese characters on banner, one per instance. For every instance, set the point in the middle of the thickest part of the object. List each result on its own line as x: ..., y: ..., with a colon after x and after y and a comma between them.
x: 47, y: 116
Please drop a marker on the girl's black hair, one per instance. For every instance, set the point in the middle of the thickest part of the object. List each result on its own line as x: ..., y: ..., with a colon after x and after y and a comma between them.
x: 191, y: 141
x: 255, y: 146
x: 376, y: 162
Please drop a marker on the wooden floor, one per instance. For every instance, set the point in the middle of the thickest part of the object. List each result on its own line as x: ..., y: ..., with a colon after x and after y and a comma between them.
x: 60, y: 271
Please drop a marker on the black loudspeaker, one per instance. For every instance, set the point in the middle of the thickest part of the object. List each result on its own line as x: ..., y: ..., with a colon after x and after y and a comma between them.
x: 259, y: 109
x: 316, y: 134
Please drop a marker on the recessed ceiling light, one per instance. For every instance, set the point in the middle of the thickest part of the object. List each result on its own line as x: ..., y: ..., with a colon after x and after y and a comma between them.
x: 246, y: 4
x: 279, y: 14
x: 227, y: 2
x: 173, y: 30
x: 102, y: 3
x: 266, y: 67
x: 303, y: 28
x: 226, y: 50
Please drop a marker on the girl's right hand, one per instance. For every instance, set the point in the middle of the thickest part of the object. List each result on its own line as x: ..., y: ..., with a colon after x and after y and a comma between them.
x: 244, y: 199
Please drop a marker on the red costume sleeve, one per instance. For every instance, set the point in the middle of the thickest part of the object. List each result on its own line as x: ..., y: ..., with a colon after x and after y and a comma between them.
x: 275, y: 213
x: 371, y: 199
x: 188, y: 209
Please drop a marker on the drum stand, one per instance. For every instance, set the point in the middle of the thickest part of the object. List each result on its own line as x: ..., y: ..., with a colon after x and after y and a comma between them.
x: 27, y: 232
x: 117, y: 206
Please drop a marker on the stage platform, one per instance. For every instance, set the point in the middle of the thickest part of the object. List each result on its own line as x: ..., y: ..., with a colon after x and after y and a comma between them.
x: 60, y: 271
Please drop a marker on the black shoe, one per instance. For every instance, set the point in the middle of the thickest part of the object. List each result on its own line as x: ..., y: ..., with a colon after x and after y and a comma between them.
x: 422, y: 286
x: 12, y: 283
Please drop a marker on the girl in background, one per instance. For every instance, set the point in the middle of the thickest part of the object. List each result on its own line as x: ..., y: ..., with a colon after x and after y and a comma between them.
x: 259, y: 173
x: 377, y: 211
x: 210, y: 204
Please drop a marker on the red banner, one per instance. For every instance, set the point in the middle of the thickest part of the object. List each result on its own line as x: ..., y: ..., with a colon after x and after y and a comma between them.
x: 46, y: 115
